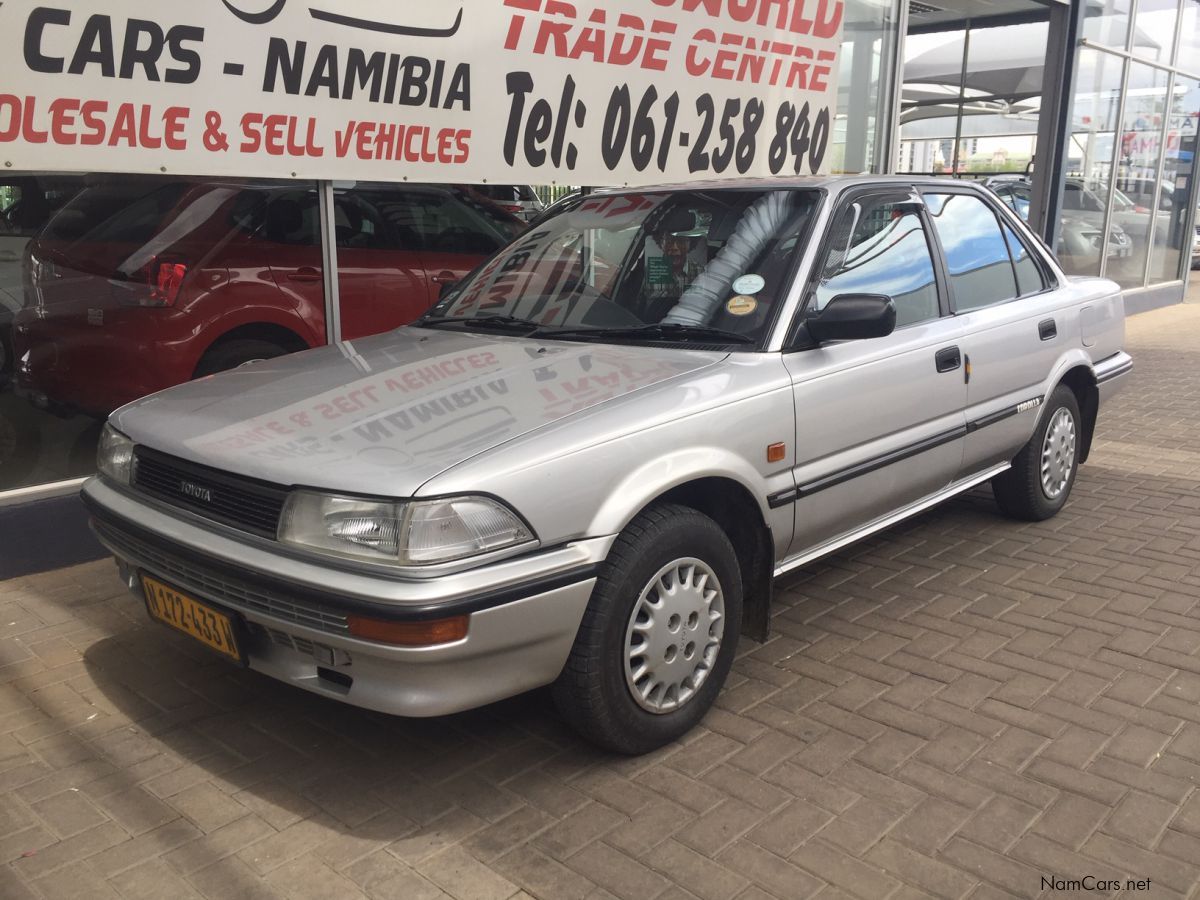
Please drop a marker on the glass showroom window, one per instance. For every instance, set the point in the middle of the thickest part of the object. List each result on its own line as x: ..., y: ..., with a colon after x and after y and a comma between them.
x: 1154, y: 25
x: 867, y: 70
x: 1137, y: 185
x: 1187, y: 55
x: 1094, y: 109
x: 1172, y: 249
x: 116, y: 286
x: 1107, y: 22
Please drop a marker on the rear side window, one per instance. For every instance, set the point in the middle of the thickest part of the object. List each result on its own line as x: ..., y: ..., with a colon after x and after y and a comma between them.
x: 1029, y: 275
x: 977, y: 258
x: 879, y: 246
x: 289, y: 217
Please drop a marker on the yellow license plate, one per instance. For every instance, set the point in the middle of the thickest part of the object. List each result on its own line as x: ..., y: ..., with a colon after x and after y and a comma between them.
x: 181, y: 612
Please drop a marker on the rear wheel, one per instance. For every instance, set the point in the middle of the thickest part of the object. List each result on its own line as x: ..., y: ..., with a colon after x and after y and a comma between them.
x: 659, y: 634
x: 232, y: 354
x: 1043, y: 473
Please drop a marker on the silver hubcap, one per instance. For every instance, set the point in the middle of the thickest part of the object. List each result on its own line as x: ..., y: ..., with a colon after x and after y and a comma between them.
x: 1058, y: 453
x: 674, y: 635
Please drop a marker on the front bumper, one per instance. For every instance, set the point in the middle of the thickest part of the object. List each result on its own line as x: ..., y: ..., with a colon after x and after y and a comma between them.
x: 524, y: 612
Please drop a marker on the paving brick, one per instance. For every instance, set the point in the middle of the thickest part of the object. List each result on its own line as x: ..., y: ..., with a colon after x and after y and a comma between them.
x: 1000, y: 822
x: 919, y: 870
x: 577, y: 830
x: 542, y: 876
x: 68, y: 813
x: 75, y: 880
x: 790, y: 827
x: 1140, y: 819
x: 78, y: 846
x: 694, y: 872
x: 1071, y: 819
x: 233, y: 878
x: 619, y: 873
x: 153, y: 880
x: 711, y: 833
x: 461, y: 875
x: 776, y: 875
x: 1069, y: 779
x: 995, y: 868
x: 927, y: 827
x: 1137, y: 863
x: 861, y: 825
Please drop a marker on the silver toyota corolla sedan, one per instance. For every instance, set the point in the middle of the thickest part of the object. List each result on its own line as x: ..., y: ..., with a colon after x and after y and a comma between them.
x: 587, y: 463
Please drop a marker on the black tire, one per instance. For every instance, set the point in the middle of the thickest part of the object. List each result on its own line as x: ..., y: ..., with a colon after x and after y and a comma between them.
x: 592, y: 693
x: 232, y: 354
x: 1019, y: 492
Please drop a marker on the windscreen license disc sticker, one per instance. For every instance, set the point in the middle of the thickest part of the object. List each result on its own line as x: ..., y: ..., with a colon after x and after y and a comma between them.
x: 741, y: 306
x: 749, y: 284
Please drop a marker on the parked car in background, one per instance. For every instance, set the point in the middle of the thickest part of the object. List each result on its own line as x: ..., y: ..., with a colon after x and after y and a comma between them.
x: 589, y: 479
x: 139, y: 283
x: 1081, y: 225
x: 519, y: 199
x: 26, y: 204
x: 1196, y: 243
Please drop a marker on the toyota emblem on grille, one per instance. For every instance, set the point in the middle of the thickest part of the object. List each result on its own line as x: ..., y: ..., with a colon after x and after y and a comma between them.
x: 195, y: 491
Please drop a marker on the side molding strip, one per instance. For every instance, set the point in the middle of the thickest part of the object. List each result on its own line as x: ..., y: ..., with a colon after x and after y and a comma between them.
x: 791, y: 495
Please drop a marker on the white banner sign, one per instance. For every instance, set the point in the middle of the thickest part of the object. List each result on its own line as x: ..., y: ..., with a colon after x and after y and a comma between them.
x: 511, y: 91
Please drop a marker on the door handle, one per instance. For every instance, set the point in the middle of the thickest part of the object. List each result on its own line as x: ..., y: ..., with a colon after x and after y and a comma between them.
x: 305, y: 273
x: 948, y: 359
x: 444, y: 278
x: 1047, y: 329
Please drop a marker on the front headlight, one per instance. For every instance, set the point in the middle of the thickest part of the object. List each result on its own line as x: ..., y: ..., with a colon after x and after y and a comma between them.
x: 114, y: 455
x: 402, y: 532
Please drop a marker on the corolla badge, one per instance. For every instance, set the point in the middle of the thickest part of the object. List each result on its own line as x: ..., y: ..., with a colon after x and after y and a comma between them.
x: 195, y: 491
x: 260, y: 12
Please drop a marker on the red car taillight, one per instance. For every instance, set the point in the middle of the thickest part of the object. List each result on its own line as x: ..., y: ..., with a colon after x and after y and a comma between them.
x: 511, y: 207
x: 165, y: 279
x: 168, y: 279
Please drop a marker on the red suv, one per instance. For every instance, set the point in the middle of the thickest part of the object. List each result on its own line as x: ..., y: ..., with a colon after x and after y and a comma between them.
x: 139, y: 283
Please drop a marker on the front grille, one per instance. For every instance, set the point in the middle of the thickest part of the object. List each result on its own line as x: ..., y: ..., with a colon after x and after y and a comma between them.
x: 211, y: 584
x: 245, y: 503
x: 283, y: 639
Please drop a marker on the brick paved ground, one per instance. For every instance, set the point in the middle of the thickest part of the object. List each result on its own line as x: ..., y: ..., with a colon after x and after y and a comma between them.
x: 954, y: 708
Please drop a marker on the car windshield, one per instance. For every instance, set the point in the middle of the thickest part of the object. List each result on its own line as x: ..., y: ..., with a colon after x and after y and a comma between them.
x: 693, y: 266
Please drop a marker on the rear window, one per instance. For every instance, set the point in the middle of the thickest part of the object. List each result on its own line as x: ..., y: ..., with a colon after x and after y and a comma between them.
x: 122, y: 212
x: 508, y: 193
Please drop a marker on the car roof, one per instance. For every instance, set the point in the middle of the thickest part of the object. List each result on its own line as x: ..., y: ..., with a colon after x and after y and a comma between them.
x: 832, y: 183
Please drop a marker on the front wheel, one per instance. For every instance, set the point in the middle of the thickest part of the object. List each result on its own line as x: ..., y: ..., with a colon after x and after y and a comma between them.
x: 658, y: 636
x: 1043, y: 473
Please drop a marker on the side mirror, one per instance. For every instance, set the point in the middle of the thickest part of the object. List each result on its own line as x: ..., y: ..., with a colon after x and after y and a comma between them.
x: 850, y: 317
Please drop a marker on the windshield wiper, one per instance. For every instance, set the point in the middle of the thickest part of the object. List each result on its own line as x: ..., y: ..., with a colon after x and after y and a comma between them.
x: 667, y: 331
x: 496, y: 321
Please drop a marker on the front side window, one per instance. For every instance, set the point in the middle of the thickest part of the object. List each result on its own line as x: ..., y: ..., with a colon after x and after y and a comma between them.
x: 981, y: 271
x: 689, y: 265
x: 879, y: 246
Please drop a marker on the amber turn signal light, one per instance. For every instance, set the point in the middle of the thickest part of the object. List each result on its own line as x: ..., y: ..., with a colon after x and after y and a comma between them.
x: 776, y: 452
x: 409, y: 634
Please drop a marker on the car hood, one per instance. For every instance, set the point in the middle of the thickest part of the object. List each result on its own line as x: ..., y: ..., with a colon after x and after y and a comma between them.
x: 384, y: 415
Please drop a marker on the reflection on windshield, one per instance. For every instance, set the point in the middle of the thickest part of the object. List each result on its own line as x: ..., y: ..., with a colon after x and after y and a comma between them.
x: 715, y: 259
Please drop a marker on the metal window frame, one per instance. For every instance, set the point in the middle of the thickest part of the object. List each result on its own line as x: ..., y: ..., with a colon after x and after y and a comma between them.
x: 329, y: 259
